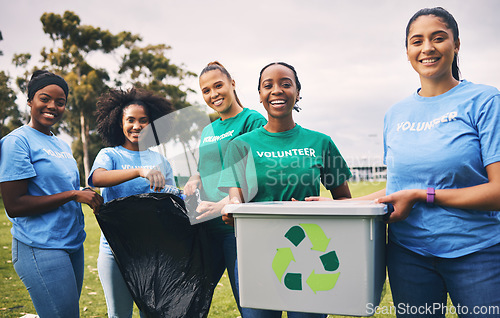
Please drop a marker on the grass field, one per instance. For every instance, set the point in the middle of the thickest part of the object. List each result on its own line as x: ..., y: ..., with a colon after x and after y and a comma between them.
x: 15, y: 300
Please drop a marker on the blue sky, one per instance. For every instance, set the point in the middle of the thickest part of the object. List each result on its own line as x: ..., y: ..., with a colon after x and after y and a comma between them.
x: 349, y: 55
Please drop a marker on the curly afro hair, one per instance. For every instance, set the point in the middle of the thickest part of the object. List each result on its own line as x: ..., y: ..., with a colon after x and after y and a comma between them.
x: 110, y: 108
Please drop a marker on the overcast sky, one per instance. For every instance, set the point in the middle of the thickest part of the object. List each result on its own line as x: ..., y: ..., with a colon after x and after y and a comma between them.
x: 349, y: 54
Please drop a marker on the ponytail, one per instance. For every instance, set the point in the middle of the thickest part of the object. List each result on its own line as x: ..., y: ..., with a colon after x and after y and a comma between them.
x: 216, y: 65
x: 450, y: 22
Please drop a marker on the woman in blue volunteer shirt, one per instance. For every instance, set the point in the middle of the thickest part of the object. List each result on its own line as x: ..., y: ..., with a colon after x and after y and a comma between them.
x: 442, y: 150
x: 123, y: 170
x: 40, y: 187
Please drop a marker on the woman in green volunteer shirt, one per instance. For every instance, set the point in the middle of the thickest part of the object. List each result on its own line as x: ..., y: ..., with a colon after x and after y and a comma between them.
x: 282, y: 161
x: 218, y: 89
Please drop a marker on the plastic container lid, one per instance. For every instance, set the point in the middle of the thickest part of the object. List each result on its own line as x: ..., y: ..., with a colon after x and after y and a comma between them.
x: 339, y: 207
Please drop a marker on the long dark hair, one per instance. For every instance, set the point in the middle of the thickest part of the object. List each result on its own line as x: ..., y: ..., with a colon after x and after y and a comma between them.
x: 111, y: 104
x: 450, y: 22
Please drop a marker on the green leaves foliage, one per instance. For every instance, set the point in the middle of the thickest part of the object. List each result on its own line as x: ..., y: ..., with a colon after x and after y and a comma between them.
x: 73, y: 56
x: 9, y: 113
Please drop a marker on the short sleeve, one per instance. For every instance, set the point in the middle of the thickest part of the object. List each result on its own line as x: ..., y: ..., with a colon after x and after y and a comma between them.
x: 255, y: 121
x: 102, y: 160
x: 234, y: 166
x: 385, y: 140
x: 336, y: 171
x: 169, y: 173
x: 15, y: 161
x: 488, y: 126
x: 239, y: 170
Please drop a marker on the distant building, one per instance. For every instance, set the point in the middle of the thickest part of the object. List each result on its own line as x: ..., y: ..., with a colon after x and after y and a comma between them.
x: 367, y: 169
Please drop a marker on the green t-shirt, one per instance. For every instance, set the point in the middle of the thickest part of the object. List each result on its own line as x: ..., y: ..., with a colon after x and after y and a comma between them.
x: 281, y: 166
x: 214, y: 141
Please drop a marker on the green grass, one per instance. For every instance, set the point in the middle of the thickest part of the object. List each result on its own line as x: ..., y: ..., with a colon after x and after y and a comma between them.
x: 15, y: 300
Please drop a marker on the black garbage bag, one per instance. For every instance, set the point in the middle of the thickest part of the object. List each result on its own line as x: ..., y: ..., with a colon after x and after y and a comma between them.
x: 165, y: 261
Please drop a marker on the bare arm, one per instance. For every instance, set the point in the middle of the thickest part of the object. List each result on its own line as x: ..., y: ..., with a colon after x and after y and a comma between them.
x: 18, y: 203
x: 207, y: 208
x: 481, y: 197
x: 108, y: 178
x: 235, y: 196
x: 192, y: 184
x: 341, y: 192
x: 372, y: 196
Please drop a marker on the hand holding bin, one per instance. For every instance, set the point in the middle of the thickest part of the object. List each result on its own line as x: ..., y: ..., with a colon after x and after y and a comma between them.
x: 320, y: 257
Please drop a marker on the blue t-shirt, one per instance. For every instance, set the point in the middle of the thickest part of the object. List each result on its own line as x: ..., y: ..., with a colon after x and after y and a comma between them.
x: 117, y: 158
x: 48, y: 165
x: 444, y: 142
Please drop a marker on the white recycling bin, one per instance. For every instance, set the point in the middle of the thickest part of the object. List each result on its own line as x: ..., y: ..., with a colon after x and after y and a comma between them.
x: 320, y: 257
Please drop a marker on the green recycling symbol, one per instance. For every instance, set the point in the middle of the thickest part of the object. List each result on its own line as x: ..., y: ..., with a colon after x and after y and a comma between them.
x: 284, y: 256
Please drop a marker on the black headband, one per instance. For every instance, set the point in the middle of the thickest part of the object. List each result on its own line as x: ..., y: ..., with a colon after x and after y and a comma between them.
x: 46, y: 79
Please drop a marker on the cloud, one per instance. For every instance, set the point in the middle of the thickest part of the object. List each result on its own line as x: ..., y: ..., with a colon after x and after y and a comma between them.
x: 349, y: 55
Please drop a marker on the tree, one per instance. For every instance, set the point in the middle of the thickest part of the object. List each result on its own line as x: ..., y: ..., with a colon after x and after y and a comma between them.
x: 9, y: 113
x: 73, y: 46
x: 21, y: 60
x: 73, y: 43
x: 148, y: 67
x: 1, y: 38
x: 94, y: 145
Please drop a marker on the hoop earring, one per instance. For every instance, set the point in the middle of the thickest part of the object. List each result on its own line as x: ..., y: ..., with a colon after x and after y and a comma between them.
x: 296, y: 106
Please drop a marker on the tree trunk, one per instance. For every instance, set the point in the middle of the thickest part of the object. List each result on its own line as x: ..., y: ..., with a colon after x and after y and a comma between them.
x: 1, y: 127
x: 193, y: 152
x: 84, y: 133
x: 187, y: 158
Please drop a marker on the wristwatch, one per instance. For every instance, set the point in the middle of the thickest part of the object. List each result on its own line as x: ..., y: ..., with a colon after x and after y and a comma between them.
x: 431, y: 193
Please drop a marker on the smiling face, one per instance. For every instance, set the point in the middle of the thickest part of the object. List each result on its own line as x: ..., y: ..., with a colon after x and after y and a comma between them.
x: 218, y: 93
x: 47, y: 108
x: 278, y: 91
x: 431, y: 48
x: 134, y: 120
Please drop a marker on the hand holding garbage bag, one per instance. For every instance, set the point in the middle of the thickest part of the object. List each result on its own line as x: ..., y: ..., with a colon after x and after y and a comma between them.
x: 164, y: 260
